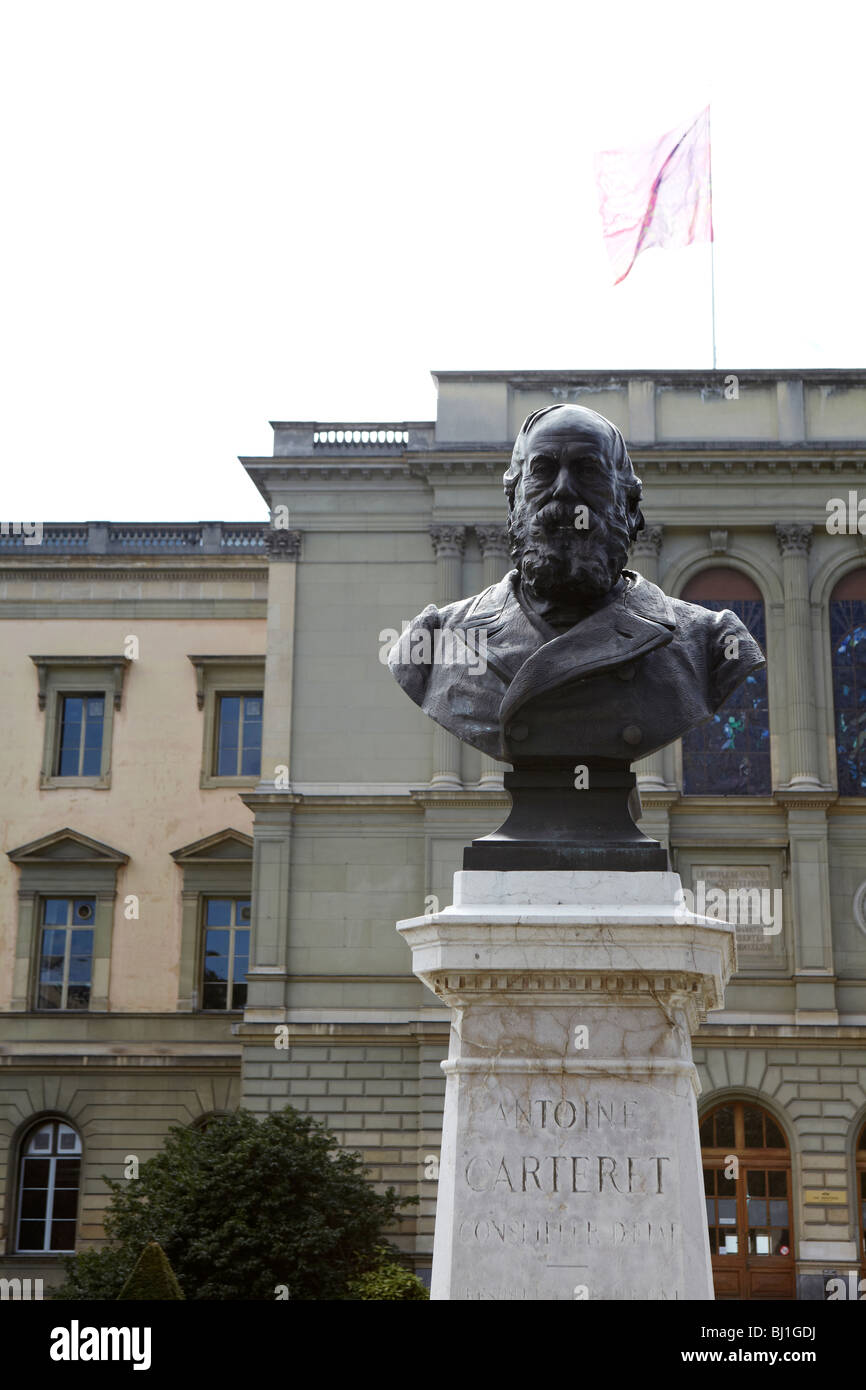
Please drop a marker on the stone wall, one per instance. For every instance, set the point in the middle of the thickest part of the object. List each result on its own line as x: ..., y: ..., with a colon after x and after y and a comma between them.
x: 382, y: 1099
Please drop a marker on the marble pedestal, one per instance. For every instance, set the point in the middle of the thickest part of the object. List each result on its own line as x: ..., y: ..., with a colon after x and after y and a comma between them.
x: 570, y: 1164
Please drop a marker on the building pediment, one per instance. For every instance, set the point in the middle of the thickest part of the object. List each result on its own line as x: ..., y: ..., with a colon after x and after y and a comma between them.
x: 225, y: 846
x: 67, y: 846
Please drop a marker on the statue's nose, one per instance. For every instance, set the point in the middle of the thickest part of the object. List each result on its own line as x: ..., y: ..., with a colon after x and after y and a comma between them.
x: 564, y: 489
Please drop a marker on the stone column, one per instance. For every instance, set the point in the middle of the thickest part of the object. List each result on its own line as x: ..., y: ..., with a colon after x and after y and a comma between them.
x: 493, y: 541
x: 284, y: 549
x: 812, y: 936
x: 645, y: 554
x: 795, y: 541
x: 570, y: 1165
x: 273, y: 802
x: 449, y: 543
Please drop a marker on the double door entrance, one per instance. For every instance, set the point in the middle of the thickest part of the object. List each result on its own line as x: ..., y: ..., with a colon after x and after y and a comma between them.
x: 747, y: 1185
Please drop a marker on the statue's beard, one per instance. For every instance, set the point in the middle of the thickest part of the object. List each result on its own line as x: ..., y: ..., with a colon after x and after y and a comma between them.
x: 560, y: 563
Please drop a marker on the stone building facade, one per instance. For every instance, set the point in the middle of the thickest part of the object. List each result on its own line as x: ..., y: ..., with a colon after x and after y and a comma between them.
x: 255, y: 780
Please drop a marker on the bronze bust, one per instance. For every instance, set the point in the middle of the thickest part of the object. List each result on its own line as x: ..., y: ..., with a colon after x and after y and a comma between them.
x: 586, y: 665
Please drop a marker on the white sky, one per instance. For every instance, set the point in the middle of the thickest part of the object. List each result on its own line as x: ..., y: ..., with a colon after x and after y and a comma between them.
x: 218, y: 215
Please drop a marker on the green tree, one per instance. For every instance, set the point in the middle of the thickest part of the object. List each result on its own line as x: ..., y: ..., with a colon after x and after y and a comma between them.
x: 240, y: 1208
x: 152, y: 1276
x: 388, y: 1281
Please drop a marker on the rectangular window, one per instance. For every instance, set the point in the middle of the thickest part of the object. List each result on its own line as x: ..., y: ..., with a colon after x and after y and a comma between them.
x: 226, y: 953
x: 239, y: 735
x: 82, y: 720
x: 66, y: 954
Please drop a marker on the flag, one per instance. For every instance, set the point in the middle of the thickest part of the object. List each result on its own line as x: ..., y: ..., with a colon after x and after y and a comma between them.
x: 657, y: 195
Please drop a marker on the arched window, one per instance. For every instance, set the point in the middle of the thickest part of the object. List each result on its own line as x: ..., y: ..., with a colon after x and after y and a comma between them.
x: 730, y: 754
x: 50, y: 1172
x: 848, y: 647
x: 205, y: 1121
x: 747, y: 1184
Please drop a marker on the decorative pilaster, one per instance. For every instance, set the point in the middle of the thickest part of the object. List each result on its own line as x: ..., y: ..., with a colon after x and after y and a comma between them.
x: 449, y: 543
x: 645, y: 556
x: 273, y: 803
x: 809, y: 847
x: 645, y: 552
x: 284, y: 549
x: 795, y: 541
x: 493, y: 541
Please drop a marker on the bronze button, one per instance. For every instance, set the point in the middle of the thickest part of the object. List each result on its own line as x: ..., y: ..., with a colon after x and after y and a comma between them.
x: 517, y: 732
x: 632, y: 734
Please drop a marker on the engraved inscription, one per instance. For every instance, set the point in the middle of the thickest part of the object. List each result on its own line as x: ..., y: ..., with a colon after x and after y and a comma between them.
x: 749, y: 881
x: 550, y: 1113
x: 567, y: 1185
x: 634, y: 1173
x: 495, y: 1230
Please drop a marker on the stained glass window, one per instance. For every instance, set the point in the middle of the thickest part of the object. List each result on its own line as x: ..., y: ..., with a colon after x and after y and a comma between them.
x: 730, y: 754
x: 848, y: 646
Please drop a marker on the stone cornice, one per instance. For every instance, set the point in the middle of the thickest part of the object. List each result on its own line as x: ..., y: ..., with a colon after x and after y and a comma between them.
x: 348, y: 1031
x: 677, y: 376
x: 418, y: 800
x: 471, y: 460
x: 805, y: 798
x: 227, y: 1058
x: 781, y: 1034
x: 146, y: 570
x: 464, y: 797
x: 114, y: 666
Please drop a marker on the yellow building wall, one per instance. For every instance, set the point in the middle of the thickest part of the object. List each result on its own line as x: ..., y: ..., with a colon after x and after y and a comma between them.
x: 154, y: 804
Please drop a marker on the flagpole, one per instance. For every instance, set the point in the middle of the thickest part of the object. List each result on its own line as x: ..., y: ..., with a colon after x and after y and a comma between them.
x: 712, y: 237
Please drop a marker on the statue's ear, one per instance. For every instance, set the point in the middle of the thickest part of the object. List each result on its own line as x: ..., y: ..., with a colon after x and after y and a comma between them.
x: 636, y: 521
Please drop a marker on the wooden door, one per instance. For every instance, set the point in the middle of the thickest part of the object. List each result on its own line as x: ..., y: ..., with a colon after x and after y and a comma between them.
x: 747, y: 1183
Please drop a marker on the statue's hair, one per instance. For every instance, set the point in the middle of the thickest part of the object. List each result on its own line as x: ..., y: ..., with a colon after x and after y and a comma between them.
x: 630, y: 486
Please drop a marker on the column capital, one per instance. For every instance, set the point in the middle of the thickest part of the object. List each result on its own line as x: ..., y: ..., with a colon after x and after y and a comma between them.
x: 282, y: 544
x: 649, y: 541
x: 449, y: 542
x: 493, y: 541
x: 794, y: 537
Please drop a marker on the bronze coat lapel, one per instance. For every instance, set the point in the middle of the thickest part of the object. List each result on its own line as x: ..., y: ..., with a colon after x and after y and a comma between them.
x: 509, y: 635
x: 616, y: 634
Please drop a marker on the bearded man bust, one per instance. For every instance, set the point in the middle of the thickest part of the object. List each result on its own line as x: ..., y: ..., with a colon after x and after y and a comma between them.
x: 572, y: 666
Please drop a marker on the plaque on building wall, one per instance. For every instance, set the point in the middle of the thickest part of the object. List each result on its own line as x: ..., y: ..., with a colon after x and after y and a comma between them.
x: 742, y: 894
